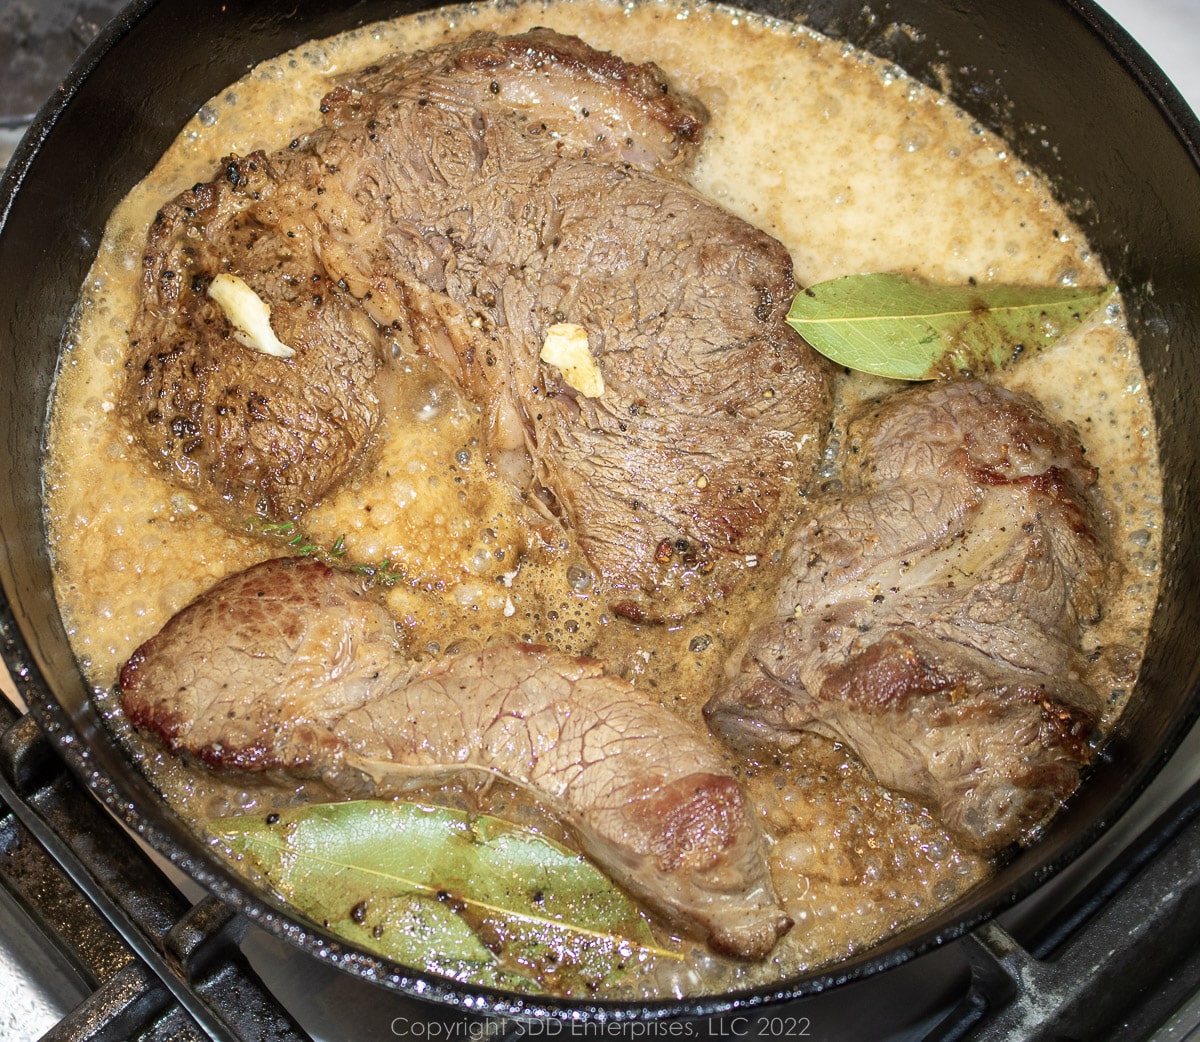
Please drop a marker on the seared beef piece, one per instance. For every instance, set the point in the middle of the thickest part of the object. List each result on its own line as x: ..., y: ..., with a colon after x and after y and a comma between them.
x: 251, y: 674
x: 509, y: 220
x: 249, y: 433
x: 931, y: 614
x: 287, y: 666
x: 484, y: 191
x: 549, y: 85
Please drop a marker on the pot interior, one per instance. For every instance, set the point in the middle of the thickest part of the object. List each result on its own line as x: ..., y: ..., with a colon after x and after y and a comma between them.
x: 1068, y: 89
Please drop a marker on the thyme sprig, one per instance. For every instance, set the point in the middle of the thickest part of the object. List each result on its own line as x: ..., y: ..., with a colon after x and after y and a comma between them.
x: 300, y: 543
x: 385, y: 573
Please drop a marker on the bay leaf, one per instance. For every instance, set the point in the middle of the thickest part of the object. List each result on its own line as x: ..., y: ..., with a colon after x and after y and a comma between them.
x: 908, y: 329
x: 467, y: 896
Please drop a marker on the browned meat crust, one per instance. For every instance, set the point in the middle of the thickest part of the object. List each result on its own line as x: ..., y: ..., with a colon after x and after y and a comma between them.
x: 249, y: 433
x: 931, y: 614
x: 287, y: 666
x: 468, y: 199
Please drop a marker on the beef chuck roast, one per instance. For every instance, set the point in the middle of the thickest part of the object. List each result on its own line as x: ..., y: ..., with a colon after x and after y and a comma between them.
x: 931, y: 614
x: 473, y: 197
x: 287, y: 666
x: 249, y: 433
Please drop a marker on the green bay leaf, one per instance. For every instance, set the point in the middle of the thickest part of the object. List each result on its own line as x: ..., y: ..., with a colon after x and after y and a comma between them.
x: 468, y: 896
x: 908, y: 329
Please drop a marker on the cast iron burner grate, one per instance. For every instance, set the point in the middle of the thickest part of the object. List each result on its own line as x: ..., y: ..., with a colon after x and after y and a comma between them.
x: 1121, y: 960
x: 160, y: 969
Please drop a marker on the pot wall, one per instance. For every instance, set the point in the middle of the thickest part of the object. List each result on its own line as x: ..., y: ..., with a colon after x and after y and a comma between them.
x: 1122, y: 151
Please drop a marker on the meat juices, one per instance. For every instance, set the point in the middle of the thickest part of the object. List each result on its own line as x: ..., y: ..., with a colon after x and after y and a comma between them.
x: 471, y: 198
x: 286, y: 666
x: 931, y: 611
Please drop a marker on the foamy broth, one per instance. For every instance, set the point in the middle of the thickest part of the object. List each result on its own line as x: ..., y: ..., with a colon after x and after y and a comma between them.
x: 856, y: 168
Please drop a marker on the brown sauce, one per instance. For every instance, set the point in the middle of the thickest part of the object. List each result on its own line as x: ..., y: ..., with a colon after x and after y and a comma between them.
x: 856, y: 168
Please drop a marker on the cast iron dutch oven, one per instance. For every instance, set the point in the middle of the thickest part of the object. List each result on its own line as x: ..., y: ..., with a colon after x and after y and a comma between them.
x: 1122, y: 148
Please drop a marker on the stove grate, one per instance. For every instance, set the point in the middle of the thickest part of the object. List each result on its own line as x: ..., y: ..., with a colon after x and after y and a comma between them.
x: 1115, y: 962
x: 158, y: 967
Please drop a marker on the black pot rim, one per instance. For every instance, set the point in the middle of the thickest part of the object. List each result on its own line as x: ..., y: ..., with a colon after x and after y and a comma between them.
x: 276, y: 919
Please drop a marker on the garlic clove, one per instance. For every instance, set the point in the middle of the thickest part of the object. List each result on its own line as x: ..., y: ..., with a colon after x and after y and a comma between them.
x: 249, y: 315
x: 566, y: 347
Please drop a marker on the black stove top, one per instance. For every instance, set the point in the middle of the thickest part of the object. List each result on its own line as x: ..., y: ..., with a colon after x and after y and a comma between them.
x: 39, y: 40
